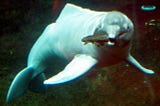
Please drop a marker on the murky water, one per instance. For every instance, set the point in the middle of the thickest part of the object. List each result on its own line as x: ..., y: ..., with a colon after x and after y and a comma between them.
x: 118, y: 85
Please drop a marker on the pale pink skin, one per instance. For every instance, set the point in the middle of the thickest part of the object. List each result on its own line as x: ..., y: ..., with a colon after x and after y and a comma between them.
x: 62, y: 40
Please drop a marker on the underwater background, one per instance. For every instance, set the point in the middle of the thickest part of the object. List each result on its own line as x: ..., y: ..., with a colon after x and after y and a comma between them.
x: 22, y: 22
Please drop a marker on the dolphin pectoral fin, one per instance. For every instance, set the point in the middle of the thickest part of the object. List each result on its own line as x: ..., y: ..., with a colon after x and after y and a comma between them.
x: 134, y: 62
x: 19, y: 84
x: 78, y: 66
x: 36, y: 84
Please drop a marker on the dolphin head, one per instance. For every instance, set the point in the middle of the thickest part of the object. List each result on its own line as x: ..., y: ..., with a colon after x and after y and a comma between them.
x: 116, y: 28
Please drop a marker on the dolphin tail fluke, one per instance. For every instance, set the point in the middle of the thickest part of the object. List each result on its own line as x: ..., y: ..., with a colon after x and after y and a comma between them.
x: 37, y: 85
x: 20, y: 84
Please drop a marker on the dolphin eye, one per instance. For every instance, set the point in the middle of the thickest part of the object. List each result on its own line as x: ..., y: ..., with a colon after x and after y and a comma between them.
x: 128, y: 28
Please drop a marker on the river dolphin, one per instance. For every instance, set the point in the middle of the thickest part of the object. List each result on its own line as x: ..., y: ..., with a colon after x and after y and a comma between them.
x: 82, y: 38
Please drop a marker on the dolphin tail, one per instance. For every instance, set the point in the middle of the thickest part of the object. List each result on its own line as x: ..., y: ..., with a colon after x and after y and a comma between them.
x: 24, y: 80
x: 20, y: 84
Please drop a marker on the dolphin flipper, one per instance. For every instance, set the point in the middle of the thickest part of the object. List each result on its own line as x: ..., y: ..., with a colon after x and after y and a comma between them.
x: 19, y: 84
x: 134, y: 62
x: 78, y: 66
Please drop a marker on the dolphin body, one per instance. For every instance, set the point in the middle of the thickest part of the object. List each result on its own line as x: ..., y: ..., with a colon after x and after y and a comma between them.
x: 82, y: 38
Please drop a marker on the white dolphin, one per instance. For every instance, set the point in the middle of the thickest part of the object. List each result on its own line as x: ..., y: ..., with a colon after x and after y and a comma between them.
x: 81, y: 37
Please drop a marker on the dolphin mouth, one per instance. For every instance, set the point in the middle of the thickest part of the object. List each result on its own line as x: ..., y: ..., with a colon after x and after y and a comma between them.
x: 100, y: 40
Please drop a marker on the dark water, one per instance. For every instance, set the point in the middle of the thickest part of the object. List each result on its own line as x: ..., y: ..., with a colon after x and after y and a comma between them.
x: 21, y: 23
